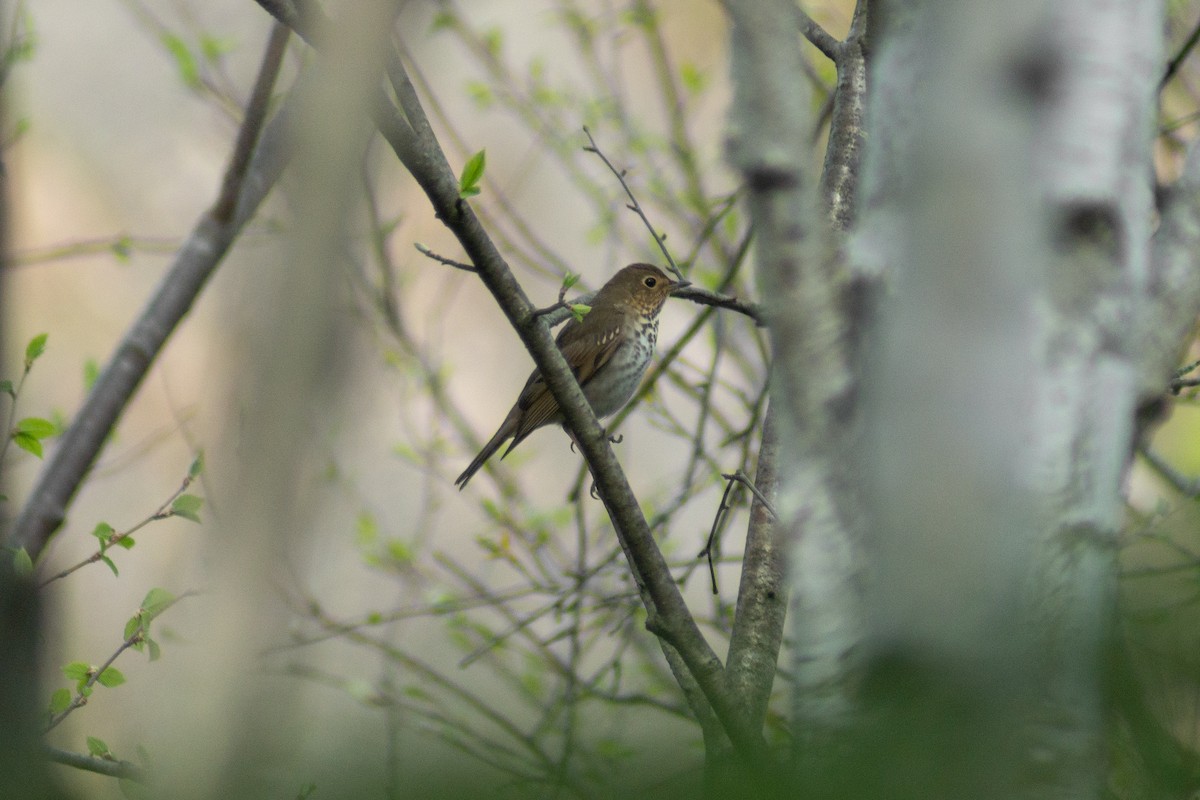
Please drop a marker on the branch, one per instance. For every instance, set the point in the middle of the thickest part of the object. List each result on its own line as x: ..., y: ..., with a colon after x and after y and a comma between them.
x: 408, y: 132
x: 762, y: 597
x: 820, y: 38
x: 125, y: 770
x: 248, y: 180
x: 847, y: 130
x: 1181, y: 56
x: 1172, y: 299
x: 633, y: 204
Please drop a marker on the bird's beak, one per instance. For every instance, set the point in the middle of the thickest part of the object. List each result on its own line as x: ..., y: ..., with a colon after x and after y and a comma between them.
x: 680, y: 285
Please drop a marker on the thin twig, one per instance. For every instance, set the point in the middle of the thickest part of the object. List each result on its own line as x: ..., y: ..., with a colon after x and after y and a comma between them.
x: 712, y: 534
x: 1179, y: 382
x: 1182, y: 483
x: 134, y: 638
x: 633, y: 204
x: 162, y: 512
x: 744, y: 479
x: 450, y: 262
x: 1176, y: 62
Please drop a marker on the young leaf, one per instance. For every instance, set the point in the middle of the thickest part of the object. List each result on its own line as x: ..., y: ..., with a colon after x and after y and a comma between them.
x: 155, y: 650
x: 28, y: 443
x: 91, y: 371
x: 468, y: 182
x: 126, y: 541
x: 111, y: 677
x: 579, y: 311
x: 98, y: 747
x: 102, y: 531
x: 187, y: 506
x: 7, y: 388
x: 77, y: 671
x: 569, y: 280
x: 185, y: 62
x: 60, y: 700
x: 22, y: 563
x: 37, y: 427
x: 155, y: 602
x: 197, y: 466
x: 111, y: 565
x: 36, y: 346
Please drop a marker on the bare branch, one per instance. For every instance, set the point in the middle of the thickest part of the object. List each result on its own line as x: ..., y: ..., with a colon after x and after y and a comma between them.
x: 425, y: 251
x: 820, y: 38
x: 633, y: 204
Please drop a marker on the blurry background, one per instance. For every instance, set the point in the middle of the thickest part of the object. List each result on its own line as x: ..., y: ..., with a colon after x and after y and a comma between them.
x: 508, y: 618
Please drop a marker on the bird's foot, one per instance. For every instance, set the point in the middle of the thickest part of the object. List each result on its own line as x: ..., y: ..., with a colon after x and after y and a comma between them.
x: 592, y: 491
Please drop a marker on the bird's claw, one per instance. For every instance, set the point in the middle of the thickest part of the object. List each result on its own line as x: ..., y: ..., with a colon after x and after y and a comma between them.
x: 620, y: 437
x: 592, y: 491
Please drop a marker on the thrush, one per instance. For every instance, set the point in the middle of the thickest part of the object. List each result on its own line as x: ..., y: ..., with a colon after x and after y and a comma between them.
x: 608, y: 350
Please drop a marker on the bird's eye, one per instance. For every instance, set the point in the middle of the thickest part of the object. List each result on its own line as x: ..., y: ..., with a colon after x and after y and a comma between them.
x: 650, y: 282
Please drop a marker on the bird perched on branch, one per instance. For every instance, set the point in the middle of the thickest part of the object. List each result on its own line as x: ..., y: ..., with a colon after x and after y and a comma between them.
x: 608, y: 350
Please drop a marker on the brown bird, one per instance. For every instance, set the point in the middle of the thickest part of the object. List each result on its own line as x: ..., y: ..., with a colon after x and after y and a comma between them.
x: 608, y: 351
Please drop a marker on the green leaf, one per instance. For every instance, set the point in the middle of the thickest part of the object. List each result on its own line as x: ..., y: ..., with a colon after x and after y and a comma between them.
x: 569, y: 280
x: 400, y: 551
x: 60, y: 700
x: 102, y: 531
x: 692, y: 78
x: 155, y: 602
x: 36, y: 346
x: 481, y: 94
x: 366, y: 530
x: 111, y: 677
x: 579, y: 311
x: 155, y: 650
x: 493, y: 40
x: 442, y: 20
x: 468, y: 182
x: 187, y: 506
x: 97, y: 747
x: 37, y: 427
x: 28, y: 443
x: 213, y: 47
x: 185, y: 62
x: 132, y: 625
x: 111, y: 565
x: 7, y: 388
x: 22, y: 563
x: 77, y: 671
x: 125, y: 541
x: 91, y: 371
x: 197, y: 467
x: 122, y: 248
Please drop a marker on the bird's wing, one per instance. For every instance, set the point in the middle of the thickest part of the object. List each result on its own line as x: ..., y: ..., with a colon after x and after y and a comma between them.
x: 585, y: 355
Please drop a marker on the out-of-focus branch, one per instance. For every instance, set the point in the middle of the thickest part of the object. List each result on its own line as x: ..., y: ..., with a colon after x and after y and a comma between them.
x: 1172, y: 299
x: 251, y: 174
x: 125, y: 770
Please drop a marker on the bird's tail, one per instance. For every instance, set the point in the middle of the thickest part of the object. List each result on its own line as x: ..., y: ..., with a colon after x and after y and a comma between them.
x: 488, y: 450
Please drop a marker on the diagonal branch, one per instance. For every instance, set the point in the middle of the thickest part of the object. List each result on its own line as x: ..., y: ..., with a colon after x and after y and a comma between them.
x: 407, y: 131
x: 250, y: 176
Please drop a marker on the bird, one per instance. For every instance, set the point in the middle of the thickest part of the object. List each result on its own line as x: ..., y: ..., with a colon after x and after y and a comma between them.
x: 608, y: 350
